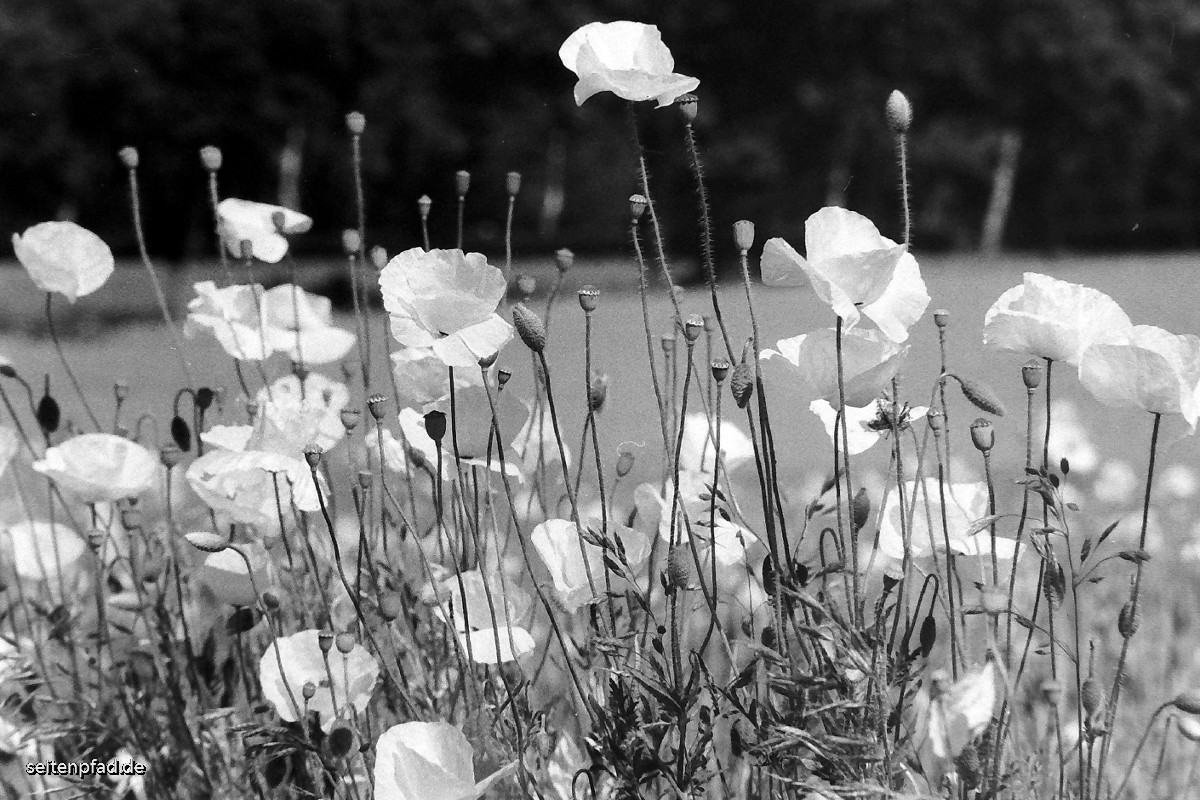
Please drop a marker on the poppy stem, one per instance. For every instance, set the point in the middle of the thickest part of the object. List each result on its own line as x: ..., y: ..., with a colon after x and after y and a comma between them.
x: 841, y: 380
x: 63, y: 360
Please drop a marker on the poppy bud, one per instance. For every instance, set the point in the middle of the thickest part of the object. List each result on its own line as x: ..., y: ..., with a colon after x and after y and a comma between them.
x: 170, y: 455
x: 624, y: 463
x: 181, y: 433
x: 435, y: 425
x: 325, y: 641
x: 351, y: 241
x: 341, y: 741
x: 344, y: 642
x: 512, y: 183
x: 129, y: 157
x: 529, y: 326
x: 743, y: 234
x: 350, y: 418
x: 424, y: 203
x: 206, y: 541
x: 309, y: 690
x: 462, y: 182
x: 390, y: 605
x: 899, y: 112
x: 49, y: 415
x: 1187, y: 702
x: 860, y: 509
x: 1129, y: 620
x: 1031, y: 374
x: 564, y: 259
x: 210, y: 158
x: 689, y: 106
x: 742, y: 384
x: 356, y: 123
x: 204, y: 398
x: 1091, y: 696
x: 720, y: 369
x: 692, y: 327
x: 312, y: 455
x: 589, y: 298
x: 637, y: 207
x: 982, y: 435
x: 378, y: 256
x: 376, y: 404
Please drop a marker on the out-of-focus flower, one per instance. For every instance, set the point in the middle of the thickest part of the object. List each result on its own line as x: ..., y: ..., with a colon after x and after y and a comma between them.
x: 294, y: 417
x: 41, y: 551
x: 852, y: 268
x: 471, y: 611
x: 1180, y: 481
x: 1053, y: 319
x: 654, y: 514
x: 966, y: 504
x: 447, y: 300
x: 234, y: 315
x: 301, y: 325
x: 228, y: 576
x: 869, y: 360
x: 860, y: 432
x: 10, y: 445
x: 535, y: 442
x: 65, y: 258
x: 422, y: 377
x: 950, y: 715
x: 557, y: 541
x: 628, y: 59
x: 1070, y: 438
x: 1152, y: 370
x: 345, y: 680
x: 698, y: 448
x: 99, y: 467
x: 1115, y: 482
x: 245, y: 220
x: 428, y: 761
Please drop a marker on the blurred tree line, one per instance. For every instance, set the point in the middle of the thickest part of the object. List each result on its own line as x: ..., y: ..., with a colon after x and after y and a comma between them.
x: 1039, y: 123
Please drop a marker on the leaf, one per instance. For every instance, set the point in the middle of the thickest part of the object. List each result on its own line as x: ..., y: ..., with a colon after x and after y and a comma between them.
x: 1086, y: 550
x: 1107, y: 531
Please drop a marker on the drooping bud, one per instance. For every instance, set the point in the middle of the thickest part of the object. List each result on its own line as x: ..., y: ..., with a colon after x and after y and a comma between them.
x: 512, y: 184
x: 356, y: 123
x: 312, y: 455
x: 530, y: 328
x: 211, y: 158
x: 693, y: 326
x: 564, y: 259
x: 982, y: 435
x: 435, y: 425
x: 344, y: 643
x: 637, y: 206
x: 899, y: 112
x: 689, y: 106
x: 1031, y: 374
x: 1187, y: 702
x: 424, y: 203
x: 743, y: 234
x: 1129, y: 620
x: 206, y: 541
x: 720, y: 369
x: 351, y: 241
x: 462, y: 183
x: 377, y: 405
x: 624, y: 463
x: 350, y: 418
x: 129, y: 157
x: 589, y: 298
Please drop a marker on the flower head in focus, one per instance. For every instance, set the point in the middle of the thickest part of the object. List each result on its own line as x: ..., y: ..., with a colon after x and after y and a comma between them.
x: 244, y: 220
x: 1053, y: 319
x: 628, y: 59
x: 234, y: 315
x: 99, y: 467
x: 447, y: 300
x: 65, y: 258
x: 852, y: 268
x: 348, y: 678
x: 809, y: 365
x: 301, y: 325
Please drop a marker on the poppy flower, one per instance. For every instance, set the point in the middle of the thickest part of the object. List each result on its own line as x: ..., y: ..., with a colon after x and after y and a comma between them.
x: 39, y: 551
x: 342, y: 680
x: 428, y: 761
x: 628, y: 59
x: 99, y: 467
x: 861, y: 429
x: 301, y: 325
x: 294, y: 416
x: 949, y: 716
x: 234, y: 315
x: 65, y: 258
x: 966, y: 504
x: 1153, y: 370
x: 447, y: 300
x: 422, y: 377
x: 1053, y: 319
x: 472, y: 615
x: 809, y: 365
x: 698, y: 446
x: 244, y: 220
x: 654, y: 515
x: 854, y: 269
x: 557, y: 541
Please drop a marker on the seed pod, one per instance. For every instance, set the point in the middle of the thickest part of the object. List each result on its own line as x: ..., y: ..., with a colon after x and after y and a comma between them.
x: 982, y: 435
x: 390, y: 605
x: 688, y: 105
x: 206, y: 541
x: 941, y: 318
x: 860, y: 509
x: 170, y: 455
x: 637, y: 206
x: 181, y: 433
x: 899, y: 112
x: 424, y: 203
x: 589, y: 298
x: 211, y: 158
x: 1189, y: 728
x: 350, y: 418
x: 720, y: 370
x: 356, y: 123
x: 937, y: 422
x: 624, y: 463
x: 564, y: 259
x: 512, y: 184
x: 693, y: 326
x: 743, y: 234
x: 1091, y: 696
x: 679, y: 570
x: 377, y: 405
x: 312, y: 455
x: 1187, y: 702
x: 530, y: 328
x: 462, y: 183
x: 502, y: 377
x: 344, y: 642
x: 435, y: 425
x: 1031, y: 374
x: 309, y: 690
x: 325, y: 641
x: 129, y: 157
x: 1129, y: 620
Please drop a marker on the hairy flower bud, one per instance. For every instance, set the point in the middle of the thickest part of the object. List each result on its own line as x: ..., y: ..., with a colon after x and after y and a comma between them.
x: 689, y: 106
x: 129, y: 157
x: 512, y: 184
x: 982, y: 435
x: 356, y: 123
x: 462, y: 183
x: 564, y: 259
x: 899, y: 112
x: 351, y: 241
x: 624, y: 463
x: 206, y: 541
x: 211, y: 158
x: 743, y: 234
x: 589, y: 298
x: 530, y: 328
x: 435, y: 425
x: 742, y: 383
x: 679, y: 570
x: 344, y: 643
x: 1129, y: 620
x: 860, y: 509
x: 637, y: 207
x: 1091, y: 696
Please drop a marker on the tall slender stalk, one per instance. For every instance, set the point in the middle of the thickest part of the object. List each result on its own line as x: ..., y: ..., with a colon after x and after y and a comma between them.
x: 62, y: 358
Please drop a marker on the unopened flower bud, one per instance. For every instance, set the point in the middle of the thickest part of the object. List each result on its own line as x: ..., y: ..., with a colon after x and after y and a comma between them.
x: 993, y: 599
x: 624, y: 463
x: 205, y: 397
x: 689, y: 106
x: 206, y: 541
x: 211, y: 158
x: 462, y: 183
x: 982, y: 435
x: 743, y: 234
x: 637, y: 206
x: 530, y: 328
x: 325, y: 641
x: 344, y: 642
x: 435, y: 425
x: 377, y: 405
x: 1129, y: 619
x: 378, y: 256
x: 512, y: 183
x: 899, y: 112
x: 350, y: 418
x: 351, y: 241
x: 129, y: 157
x: 424, y: 203
x: 564, y: 259
x: 312, y: 455
x: 941, y: 317
x: 678, y: 568
x: 271, y: 601
x: 1031, y: 374
x: 742, y: 384
x: 356, y: 123
x: 170, y: 455
x: 390, y: 605
x: 309, y: 690
x: 860, y: 509
x: 693, y: 326
x: 589, y: 298
x: 1187, y: 702
x: 720, y: 369
x: 1091, y: 696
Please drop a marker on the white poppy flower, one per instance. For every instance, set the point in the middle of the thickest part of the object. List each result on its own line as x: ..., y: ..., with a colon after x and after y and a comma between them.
x: 1053, y: 319
x: 301, y: 325
x: 234, y: 315
x: 869, y: 361
x: 244, y: 220
x: 1153, y: 370
x: 342, y: 680
x: 557, y: 541
x: 65, y: 258
x: 654, y: 513
x: 99, y: 467
x: 447, y: 300
x: 10, y: 445
x: 966, y: 504
x: 852, y: 268
x: 298, y: 417
x: 428, y: 761
x: 949, y: 716
x: 39, y: 551
x: 625, y: 58
x: 698, y: 447
x: 859, y: 433
x: 422, y: 377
